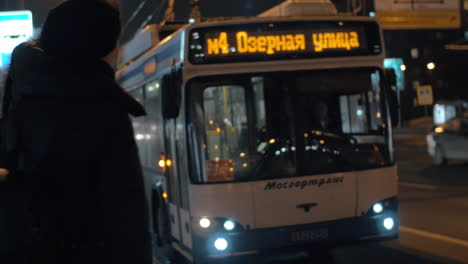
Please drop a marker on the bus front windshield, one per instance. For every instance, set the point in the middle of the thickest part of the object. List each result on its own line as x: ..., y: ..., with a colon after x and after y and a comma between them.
x: 286, y: 124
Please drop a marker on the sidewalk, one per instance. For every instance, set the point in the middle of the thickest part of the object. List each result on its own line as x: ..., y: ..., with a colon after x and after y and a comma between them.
x: 413, y: 133
x: 414, y: 127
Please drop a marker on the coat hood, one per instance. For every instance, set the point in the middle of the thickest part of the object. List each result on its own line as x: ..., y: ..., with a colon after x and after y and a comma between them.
x: 35, y: 74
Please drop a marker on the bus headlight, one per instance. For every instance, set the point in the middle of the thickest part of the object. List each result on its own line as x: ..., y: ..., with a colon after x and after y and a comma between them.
x: 388, y: 223
x: 205, y: 222
x: 383, y: 208
x: 377, y: 208
x: 229, y: 225
x: 221, y: 244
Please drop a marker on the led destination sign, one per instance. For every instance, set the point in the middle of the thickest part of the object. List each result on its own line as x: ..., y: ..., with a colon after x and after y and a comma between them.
x: 271, y: 44
x: 285, y: 41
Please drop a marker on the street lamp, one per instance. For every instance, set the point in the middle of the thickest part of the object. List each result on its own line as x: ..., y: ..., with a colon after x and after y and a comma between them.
x: 431, y: 66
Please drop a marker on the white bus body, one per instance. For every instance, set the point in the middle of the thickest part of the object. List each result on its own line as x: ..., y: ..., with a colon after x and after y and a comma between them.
x: 227, y: 175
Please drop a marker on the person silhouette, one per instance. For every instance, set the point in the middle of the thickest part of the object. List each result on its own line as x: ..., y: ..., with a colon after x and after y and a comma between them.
x: 78, y: 156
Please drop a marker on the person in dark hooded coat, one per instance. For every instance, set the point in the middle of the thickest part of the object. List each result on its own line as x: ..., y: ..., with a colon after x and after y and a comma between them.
x: 77, y: 154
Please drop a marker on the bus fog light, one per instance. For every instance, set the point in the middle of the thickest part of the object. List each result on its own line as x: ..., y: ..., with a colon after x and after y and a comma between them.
x: 388, y: 223
x: 205, y: 222
x: 229, y: 225
x: 221, y: 244
x: 378, y: 208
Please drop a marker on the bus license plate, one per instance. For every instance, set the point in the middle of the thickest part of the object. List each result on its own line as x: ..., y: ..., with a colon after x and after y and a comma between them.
x: 309, y: 235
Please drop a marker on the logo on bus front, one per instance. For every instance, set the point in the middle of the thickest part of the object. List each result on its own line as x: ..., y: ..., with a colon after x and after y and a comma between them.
x: 277, y: 185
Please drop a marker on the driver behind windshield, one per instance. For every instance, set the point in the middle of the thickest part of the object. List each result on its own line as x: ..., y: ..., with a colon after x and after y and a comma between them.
x: 321, y: 117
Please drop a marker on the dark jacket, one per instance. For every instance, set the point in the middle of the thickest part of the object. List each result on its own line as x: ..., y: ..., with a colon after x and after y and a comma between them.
x: 78, y: 158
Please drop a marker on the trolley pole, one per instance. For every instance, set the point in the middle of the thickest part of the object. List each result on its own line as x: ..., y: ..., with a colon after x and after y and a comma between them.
x: 169, y: 16
x: 195, y: 13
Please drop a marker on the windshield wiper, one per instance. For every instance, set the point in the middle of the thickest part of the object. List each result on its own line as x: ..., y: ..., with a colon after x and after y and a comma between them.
x: 278, y: 148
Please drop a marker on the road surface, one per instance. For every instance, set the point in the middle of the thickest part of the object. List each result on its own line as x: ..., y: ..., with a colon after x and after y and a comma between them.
x: 433, y: 209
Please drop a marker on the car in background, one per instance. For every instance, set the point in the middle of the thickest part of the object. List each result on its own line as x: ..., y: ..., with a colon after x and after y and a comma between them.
x: 445, y: 110
x: 449, y: 141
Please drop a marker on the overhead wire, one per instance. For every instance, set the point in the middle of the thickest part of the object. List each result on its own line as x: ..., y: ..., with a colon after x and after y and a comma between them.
x: 133, y: 15
x: 156, y: 13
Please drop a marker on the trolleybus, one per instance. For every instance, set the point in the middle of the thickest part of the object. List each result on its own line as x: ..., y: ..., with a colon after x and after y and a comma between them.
x: 264, y: 136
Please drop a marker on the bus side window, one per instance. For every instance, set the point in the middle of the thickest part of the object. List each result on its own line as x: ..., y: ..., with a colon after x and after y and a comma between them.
x: 139, y: 124
x: 226, y: 132
x: 154, y: 127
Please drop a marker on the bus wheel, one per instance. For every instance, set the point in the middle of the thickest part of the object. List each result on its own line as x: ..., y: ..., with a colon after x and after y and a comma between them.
x: 439, y: 157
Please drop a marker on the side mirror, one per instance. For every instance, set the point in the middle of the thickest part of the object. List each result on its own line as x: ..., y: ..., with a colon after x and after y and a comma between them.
x: 171, y: 94
x: 390, y: 81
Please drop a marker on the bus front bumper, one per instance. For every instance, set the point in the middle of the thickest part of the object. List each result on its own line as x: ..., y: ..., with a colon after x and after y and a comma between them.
x: 300, y: 238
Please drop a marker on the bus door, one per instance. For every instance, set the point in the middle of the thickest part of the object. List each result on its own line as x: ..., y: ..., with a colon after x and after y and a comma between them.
x: 176, y: 169
x: 172, y: 176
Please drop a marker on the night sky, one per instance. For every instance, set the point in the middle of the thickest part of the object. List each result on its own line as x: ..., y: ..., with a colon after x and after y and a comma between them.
x: 209, y: 8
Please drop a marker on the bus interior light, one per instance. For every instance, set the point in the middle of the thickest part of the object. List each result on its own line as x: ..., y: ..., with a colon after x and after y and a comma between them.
x: 377, y: 208
x: 205, y: 222
x: 221, y: 244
